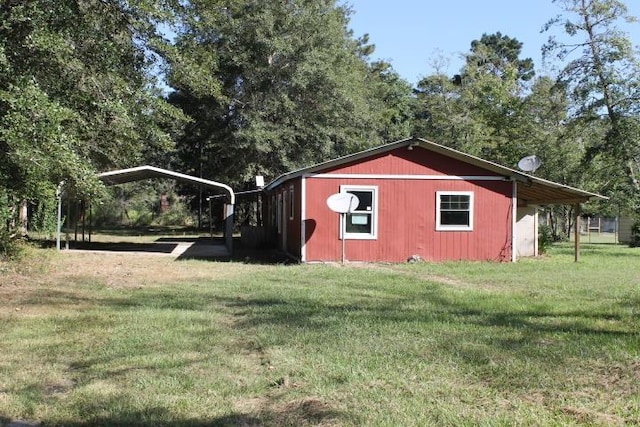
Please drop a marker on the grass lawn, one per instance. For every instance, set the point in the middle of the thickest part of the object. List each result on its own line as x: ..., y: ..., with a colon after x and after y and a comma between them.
x: 115, y: 339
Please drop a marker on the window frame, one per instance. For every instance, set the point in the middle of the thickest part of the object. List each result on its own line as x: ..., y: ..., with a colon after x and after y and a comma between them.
x: 373, y: 214
x: 456, y: 227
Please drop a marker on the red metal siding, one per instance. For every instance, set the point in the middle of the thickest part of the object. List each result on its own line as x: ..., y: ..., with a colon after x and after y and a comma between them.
x: 407, y: 212
x: 410, y: 162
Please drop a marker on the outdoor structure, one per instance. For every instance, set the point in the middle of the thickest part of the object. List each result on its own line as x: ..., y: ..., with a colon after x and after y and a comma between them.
x: 147, y: 172
x: 416, y: 198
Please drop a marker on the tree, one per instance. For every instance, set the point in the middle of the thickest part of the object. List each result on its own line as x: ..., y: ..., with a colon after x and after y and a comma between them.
x: 390, y: 102
x: 76, y: 95
x: 478, y: 110
x: 603, y: 78
x: 283, y: 85
x: 500, y: 55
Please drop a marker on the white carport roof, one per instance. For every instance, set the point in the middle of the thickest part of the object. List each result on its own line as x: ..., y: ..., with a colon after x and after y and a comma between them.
x: 146, y: 172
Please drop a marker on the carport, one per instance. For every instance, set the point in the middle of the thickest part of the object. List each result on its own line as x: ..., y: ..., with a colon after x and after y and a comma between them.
x: 140, y: 173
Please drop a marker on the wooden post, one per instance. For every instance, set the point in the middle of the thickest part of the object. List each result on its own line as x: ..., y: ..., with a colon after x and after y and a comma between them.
x: 576, y: 232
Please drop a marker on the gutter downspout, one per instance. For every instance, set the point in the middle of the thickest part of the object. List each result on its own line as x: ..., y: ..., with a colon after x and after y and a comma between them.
x: 514, y: 213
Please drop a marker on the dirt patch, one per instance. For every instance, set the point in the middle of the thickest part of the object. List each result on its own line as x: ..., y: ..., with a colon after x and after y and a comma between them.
x: 625, y: 379
x: 587, y: 416
x: 58, y: 282
x: 307, y: 411
x: 117, y: 270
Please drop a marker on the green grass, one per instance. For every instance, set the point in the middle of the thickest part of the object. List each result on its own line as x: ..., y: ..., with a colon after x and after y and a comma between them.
x: 540, y: 342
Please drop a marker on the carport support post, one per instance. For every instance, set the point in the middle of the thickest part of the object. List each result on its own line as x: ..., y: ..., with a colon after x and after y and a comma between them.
x: 66, y: 221
x: 59, y: 223
x: 576, y: 232
x: 228, y: 226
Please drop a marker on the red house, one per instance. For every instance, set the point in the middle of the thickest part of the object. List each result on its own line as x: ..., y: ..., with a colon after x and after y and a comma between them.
x: 415, y: 198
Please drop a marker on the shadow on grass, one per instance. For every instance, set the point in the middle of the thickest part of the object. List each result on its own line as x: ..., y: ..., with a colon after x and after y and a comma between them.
x: 438, y: 308
x: 613, y: 250
x: 128, y: 231
x: 306, y: 412
x: 165, y: 248
x: 202, y: 249
x: 478, y: 334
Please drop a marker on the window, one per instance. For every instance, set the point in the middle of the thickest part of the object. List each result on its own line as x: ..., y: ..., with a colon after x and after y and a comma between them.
x: 362, y: 222
x: 454, y: 211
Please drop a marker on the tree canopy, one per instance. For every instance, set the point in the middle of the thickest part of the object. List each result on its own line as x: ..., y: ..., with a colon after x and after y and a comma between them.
x: 76, y: 95
x: 602, y: 78
x: 272, y: 86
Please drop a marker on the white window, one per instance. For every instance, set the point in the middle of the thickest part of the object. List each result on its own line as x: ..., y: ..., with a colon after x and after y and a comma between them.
x: 362, y: 223
x: 454, y: 210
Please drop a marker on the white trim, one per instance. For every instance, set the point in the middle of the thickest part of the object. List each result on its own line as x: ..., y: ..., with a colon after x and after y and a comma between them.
x: 146, y: 172
x: 440, y: 227
x: 303, y: 217
x: 410, y: 177
x: 374, y: 213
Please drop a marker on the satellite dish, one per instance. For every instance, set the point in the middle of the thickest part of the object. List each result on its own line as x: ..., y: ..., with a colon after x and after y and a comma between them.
x: 529, y: 163
x: 342, y: 202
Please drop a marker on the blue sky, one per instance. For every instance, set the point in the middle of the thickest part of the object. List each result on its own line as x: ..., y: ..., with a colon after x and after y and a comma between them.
x: 411, y: 33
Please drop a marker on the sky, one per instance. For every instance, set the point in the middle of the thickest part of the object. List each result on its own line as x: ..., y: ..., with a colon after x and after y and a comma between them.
x: 410, y: 34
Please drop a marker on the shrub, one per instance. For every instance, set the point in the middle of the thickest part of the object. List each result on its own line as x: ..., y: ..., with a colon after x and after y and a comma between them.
x: 10, y: 247
x: 177, y: 214
x: 45, y: 217
x: 635, y: 234
x: 545, y: 238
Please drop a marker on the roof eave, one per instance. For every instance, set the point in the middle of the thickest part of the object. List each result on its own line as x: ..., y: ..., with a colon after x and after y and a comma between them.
x: 339, y: 161
x: 576, y: 195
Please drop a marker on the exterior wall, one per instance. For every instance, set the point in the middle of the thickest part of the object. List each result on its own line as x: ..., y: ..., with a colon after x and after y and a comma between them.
x: 407, y: 182
x: 292, y: 217
x: 282, y: 217
x: 527, y: 231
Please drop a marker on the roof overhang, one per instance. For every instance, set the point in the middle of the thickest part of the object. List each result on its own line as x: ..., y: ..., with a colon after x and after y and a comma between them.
x: 147, y: 172
x: 531, y: 190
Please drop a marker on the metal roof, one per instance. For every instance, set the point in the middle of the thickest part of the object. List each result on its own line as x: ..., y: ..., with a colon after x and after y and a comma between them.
x: 531, y: 189
x: 146, y: 172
